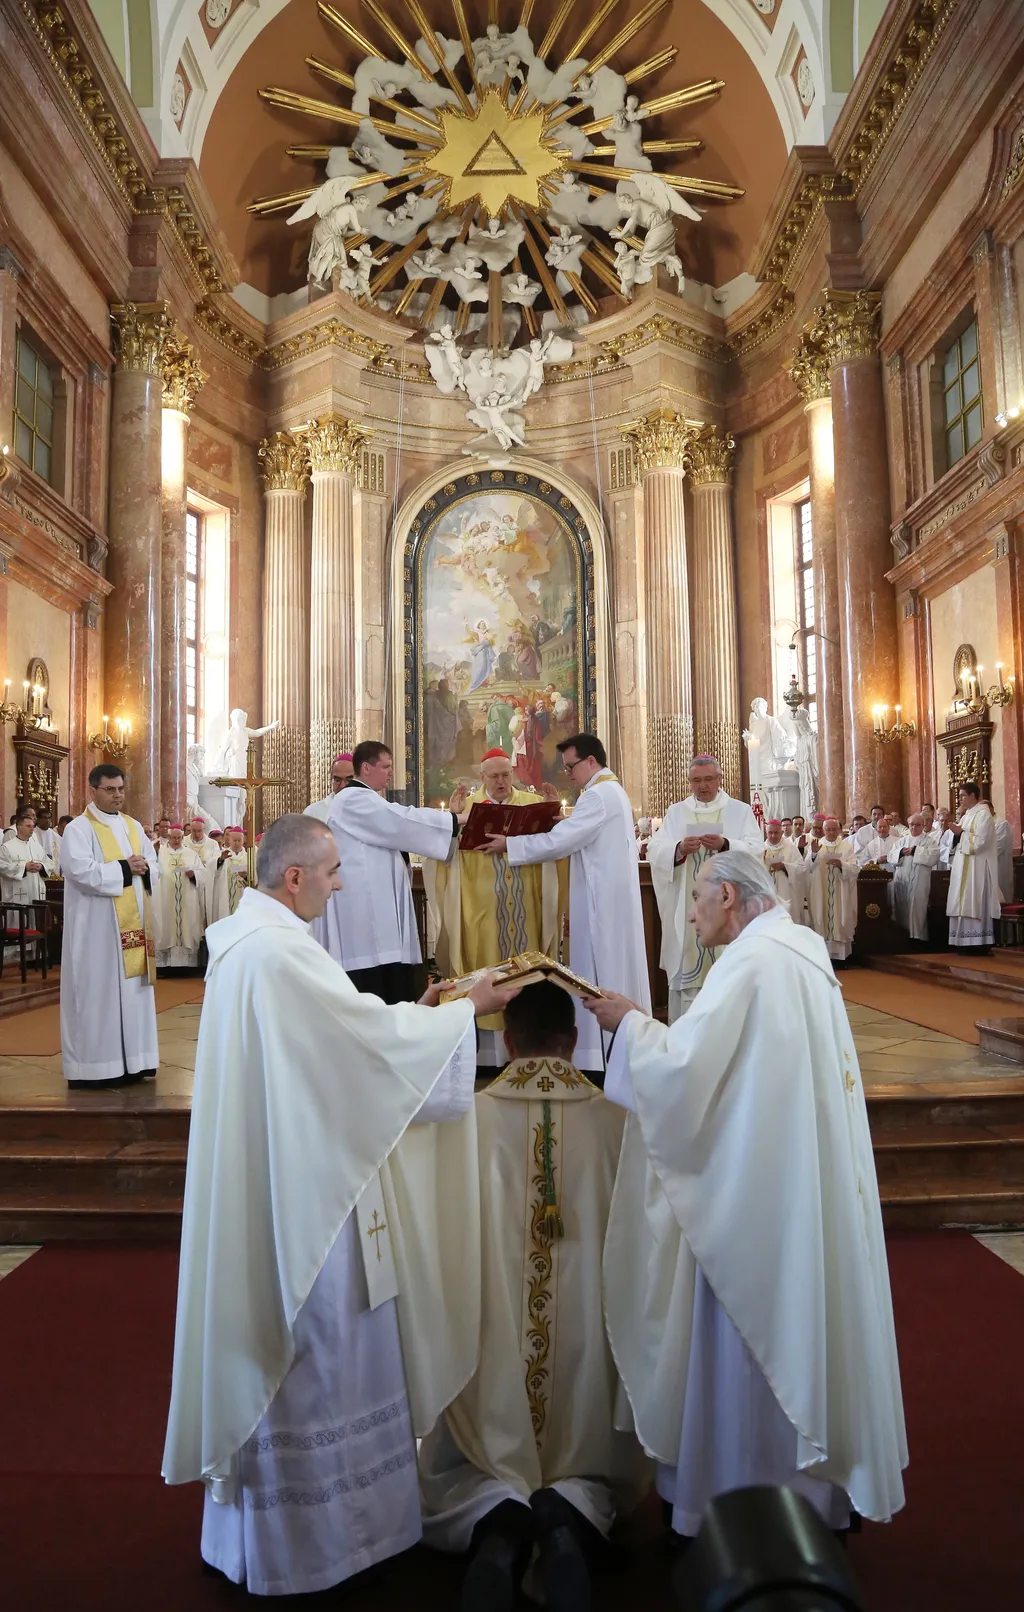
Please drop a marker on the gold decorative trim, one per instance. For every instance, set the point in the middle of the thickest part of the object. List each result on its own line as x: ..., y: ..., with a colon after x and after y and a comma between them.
x: 661, y: 328
x: 709, y: 454
x: 540, y: 1268
x: 220, y: 329
x: 722, y: 740
x: 331, y: 333
x: 523, y: 1070
x: 328, y: 737
x: 1015, y: 166
x: 659, y: 440
x: 809, y: 368
x: 141, y: 331
x: 334, y: 443
x: 846, y: 325
x: 284, y: 460
x: 766, y: 324
x: 184, y: 377
x: 669, y: 753
x: 286, y: 755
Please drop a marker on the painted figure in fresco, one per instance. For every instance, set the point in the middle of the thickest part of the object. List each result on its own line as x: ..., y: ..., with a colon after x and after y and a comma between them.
x: 441, y: 722
x: 482, y: 641
x: 525, y: 651
x: 499, y: 719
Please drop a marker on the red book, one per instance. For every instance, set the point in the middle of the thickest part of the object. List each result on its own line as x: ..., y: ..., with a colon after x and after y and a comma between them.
x: 487, y: 818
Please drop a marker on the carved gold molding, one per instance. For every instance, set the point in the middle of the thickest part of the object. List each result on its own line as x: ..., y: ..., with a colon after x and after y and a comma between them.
x: 285, y: 462
x: 184, y: 377
x: 331, y: 333
x: 661, y: 328
x: 868, y: 140
x: 140, y: 335
x: 810, y: 369
x: 709, y: 454
x: 846, y: 326
x: 765, y: 325
x: 659, y: 440
x: 220, y: 329
x: 334, y: 443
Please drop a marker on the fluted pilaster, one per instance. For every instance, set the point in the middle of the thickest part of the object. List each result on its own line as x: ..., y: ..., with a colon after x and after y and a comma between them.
x: 182, y: 382
x: 715, y: 656
x: 334, y: 447
x: 285, y: 644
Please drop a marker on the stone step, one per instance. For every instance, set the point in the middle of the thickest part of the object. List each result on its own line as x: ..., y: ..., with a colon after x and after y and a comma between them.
x: 984, y: 1155
x: 1004, y: 1037
x: 32, y: 1217
x: 986, y: 1103
x: 950, y: 1201
x: 71, y: 1171
x: 1008, y: 986
x: 85, y: 1116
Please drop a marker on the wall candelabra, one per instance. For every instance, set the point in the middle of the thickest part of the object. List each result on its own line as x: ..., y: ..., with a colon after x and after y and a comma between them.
x: 899, y: 730
x: 112, y: 744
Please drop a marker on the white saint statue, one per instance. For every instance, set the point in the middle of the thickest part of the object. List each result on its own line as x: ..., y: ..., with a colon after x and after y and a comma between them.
x: 807, y: 762
x: 232, y: 761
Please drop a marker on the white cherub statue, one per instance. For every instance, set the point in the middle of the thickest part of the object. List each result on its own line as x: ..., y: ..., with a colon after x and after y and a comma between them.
x: 355, y: 277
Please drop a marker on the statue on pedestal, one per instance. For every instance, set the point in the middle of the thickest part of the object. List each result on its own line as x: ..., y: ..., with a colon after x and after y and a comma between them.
x: 807, y: 763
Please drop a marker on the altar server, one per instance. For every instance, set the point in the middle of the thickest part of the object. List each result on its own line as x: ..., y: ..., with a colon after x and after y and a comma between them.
x: 832, y: 891
x: 528, y: 1451
x: 912, y: 860
x: 676, y: 857
x: 370, y: 923
x: 482, y: 909
x: 606, y: 925
x: 108, y: 958
x: 746, y: 1285
x: 179, y: 902
x: 973, y: 903
x: 328, y: 1291
x: 787, y: 868
x: 341, y: 774
x: 24, y: 864
x: 229, y: 877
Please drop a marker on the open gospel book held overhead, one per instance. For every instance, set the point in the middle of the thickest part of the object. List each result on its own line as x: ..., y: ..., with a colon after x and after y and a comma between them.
x: 528, y: 968
x: 486, y: 817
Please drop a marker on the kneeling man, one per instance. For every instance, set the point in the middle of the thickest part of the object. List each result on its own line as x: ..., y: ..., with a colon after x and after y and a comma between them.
x: 528, y: 1453
x: 746, y: 1285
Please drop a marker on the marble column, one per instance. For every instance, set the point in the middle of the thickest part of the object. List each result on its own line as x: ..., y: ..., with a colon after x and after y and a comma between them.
x: 182, y: 380
x: 131, y: 683
x: 810, y: 370
x: 334, y: 448
x: 285, y: 461
x: 716, y: 693
x: 847, y: 331
x: 659, y: 446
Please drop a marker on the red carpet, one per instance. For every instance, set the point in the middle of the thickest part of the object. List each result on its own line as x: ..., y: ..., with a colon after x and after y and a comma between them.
x: 85, y: 1349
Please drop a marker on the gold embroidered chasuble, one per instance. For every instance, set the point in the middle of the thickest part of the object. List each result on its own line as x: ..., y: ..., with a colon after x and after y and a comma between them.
x: 540, y: 1406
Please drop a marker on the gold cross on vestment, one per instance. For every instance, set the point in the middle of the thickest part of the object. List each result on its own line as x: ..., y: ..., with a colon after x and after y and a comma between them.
x: 375, y: 1228
x: 546, y: 1083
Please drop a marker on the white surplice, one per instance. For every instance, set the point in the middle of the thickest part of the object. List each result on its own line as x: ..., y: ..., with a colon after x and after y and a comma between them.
x: 832, y: 895
x: 178, y: 907
x: 321, y: 1269
x: 372, y: 919
x: 321, y: 809
x: 876, y: 849
x: 684, y: 959
x: 16, y: 883
x: 107, y: 1022
x: 606, y: 924
x: 973, y: 903
x: 539, y: 1410
x: 746, y: 1285
x: 912, y: 860
x: 1004, y: 858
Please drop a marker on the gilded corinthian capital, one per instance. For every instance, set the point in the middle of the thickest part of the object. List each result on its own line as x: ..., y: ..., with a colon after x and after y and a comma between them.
x: 183, y: 376
x: 285, y: 462
x: 846, y: 325
x: 810, y: 369
x: 709, y: 456
x: 335, y: 443
x: 658, y: 440
x: 140, y: 332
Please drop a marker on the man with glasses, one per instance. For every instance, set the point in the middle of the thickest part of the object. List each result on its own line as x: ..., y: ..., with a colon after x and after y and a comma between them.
x: 606, y: 926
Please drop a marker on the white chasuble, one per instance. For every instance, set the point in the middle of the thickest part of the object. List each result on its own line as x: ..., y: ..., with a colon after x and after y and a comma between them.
x: 289, y: 1393
x: 539, y: 1410
x: 683, y: 958
x: 789, y: 875
x: 107, y: 1018
x: 226, y: 881
x: 178, y: 907
x: 832, y: 895
x: 606, y: 925
x: 973, y: 903
x: 372, y: 919
x: 747, y: 1186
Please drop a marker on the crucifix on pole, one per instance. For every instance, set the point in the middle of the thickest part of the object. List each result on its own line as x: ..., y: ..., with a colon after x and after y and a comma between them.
x: 247, y: 787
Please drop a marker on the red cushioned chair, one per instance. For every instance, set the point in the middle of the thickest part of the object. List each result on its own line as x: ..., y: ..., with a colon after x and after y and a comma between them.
x: 26, y: 927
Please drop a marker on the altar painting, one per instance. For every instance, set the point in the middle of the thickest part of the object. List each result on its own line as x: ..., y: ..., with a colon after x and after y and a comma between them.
x: 499, y: 647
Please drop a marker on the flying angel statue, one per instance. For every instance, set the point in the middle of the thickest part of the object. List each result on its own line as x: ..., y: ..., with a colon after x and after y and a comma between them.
x: 337, y: 215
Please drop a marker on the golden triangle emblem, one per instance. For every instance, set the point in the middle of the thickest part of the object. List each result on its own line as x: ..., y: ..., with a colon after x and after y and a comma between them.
x: 493, y: 160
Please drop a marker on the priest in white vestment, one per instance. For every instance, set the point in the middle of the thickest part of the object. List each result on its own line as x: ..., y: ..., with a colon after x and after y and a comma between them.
x: 947, y: 829
x: 341, y: 774
x: 178, y: 906
x: 229, y: 876
x: 108, y: 958
x: 973, y: 904
x: 530, y: 1444
x: 328, y: 1296
x: 1004, y: 855
x: 746, y: 1285
x: 606, y: 926
x: 912, y: 860
x: 787, y: 868
x: 24, y: 863
x: 694, y: 829
x: 875, y: 851
x: 832, y: 891
x: 370, y: 925
x: 867, y: 832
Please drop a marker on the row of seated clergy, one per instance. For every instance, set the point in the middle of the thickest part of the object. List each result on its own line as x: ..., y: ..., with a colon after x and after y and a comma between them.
x: 551, y: 1299
x: 201, y: 879
x: 24, y: 863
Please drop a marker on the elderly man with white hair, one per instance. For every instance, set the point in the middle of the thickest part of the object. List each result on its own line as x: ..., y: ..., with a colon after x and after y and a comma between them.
x: 706, y: 822
x: 875, y: 852
x: 912, y: 860
x: 832, y: 891
x: 787, y: 868
x: 746, y: 1183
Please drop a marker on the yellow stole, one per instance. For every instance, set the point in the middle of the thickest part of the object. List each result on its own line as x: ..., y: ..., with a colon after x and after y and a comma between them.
x: 138, y: 952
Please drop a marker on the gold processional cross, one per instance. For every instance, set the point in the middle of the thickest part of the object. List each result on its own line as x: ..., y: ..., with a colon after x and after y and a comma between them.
x: 253, y: 783
x: 375, y: 1228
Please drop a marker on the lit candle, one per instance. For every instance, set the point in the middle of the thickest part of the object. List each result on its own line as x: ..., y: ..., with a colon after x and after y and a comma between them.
x: 999, y: 673
x: 127, y: 729
x: 105, y: 727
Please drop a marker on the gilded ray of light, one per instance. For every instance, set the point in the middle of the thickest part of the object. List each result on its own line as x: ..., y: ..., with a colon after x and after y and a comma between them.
x: 492, y: 155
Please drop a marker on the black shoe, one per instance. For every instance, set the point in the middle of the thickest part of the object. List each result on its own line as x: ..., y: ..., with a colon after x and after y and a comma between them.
x: 564, y: 1575
x: 500, y: 1550
x: 97, y: 1085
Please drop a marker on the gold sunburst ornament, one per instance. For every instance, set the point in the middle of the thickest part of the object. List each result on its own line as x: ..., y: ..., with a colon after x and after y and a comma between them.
x: 494, y: 155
